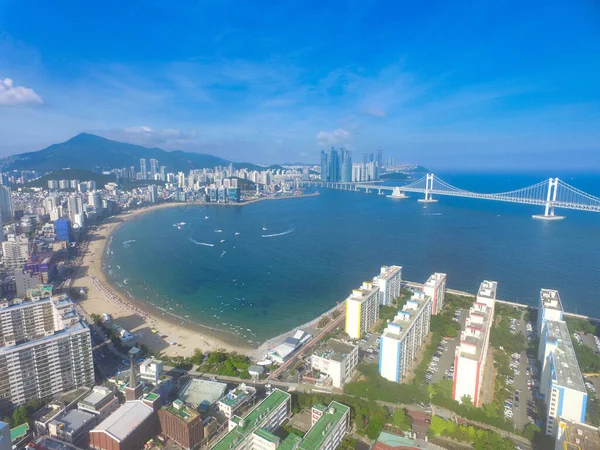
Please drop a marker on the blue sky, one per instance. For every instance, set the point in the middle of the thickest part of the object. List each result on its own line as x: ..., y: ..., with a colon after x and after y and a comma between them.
x: 493, y: 85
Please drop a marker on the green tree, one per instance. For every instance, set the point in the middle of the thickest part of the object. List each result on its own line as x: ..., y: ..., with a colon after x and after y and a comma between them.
x: 466, y: 401
x: 374, y: 428
x: 20, y: 416
x: 401, y: 420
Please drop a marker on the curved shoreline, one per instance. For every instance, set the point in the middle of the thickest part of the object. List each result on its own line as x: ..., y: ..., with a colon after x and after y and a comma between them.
x: 141, y: 318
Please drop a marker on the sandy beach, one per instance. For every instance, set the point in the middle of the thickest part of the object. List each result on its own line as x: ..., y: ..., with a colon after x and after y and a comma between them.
x: 141, y: 318
x: 136, y: 317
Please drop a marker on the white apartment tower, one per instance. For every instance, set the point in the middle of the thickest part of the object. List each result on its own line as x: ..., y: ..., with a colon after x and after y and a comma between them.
x: 389, y: 281
x: 45, y: 349
x: 15, y: 252
x: 471, y: 352
x: 435, y: 287
x: 404, y: 336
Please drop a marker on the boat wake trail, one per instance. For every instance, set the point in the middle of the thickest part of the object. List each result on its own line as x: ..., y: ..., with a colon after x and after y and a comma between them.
x: 206, y: 244
x: 291, y: 230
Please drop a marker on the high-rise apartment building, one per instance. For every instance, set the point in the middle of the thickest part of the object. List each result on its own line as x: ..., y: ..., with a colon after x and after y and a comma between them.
x: 153, y: 192
x: 435, y: 287
x: 471, y: 352
x: 362, y: 310
x: 404, y: 336
x: 346, y: 166
x: 15, y: 253
x: 389, y: 281
x: 153, y: 168
x: 143, y: 169
x: 550, y: 309
x: 45, y: 349
x: 7, y: 212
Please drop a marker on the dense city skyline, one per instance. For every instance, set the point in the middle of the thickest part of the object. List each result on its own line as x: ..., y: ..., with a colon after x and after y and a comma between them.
x: 281, y: 83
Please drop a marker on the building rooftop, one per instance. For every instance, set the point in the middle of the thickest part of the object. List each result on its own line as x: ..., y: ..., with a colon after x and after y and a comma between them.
x: 237, y: 395
x: 387, y: 441
x: 566, y: 367
x: 203, y: 393
x: 335, y: 350
x: 579, y: 436
x: 388, y: 272
x: 252, y: 420
x: 363, y: 293
x: 402, y: 323
x: 314, y: 438
x: 73, y: 420
x: 435, y: 278
x: 19, y: 432
x: 49, y: 443
x: 471, y: 345
x: 180, y: 410
x: 98, y: 394
x: 267, y: 436
x: 487, y: 289
x: 550, y: 299
x: 124, y: 420
x: 290, y: 442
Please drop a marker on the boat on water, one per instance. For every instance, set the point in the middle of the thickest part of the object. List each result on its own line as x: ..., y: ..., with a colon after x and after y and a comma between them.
x: 264, y: 228
x: 218, y: 231
x: 236, y: 233
x: 222, y: 240
x: 206, y: 217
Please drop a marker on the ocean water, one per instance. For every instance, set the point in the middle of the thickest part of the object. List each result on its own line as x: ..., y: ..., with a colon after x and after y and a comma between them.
x: 259, y: 283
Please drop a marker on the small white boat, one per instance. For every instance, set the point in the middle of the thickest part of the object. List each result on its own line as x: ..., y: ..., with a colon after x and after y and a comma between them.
x: 206, y: 217
x: 222, y: 240
x: 218, y: 231
x: 236, y: 233
x: 264, y: 228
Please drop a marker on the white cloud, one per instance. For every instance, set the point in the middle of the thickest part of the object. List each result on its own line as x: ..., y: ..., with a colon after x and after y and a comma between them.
x: 335, y: 137
x: 144, y: 135
x: 11, y: 95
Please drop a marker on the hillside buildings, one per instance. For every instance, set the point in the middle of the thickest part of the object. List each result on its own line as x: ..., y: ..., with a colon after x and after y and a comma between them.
x: 46, y: 349
x: 362, y: 310
x: 561, y: 382
x: 435, y: 287
x: 404, y: 336
x: 472, y: 350
x: 389, y: 282
x: 336, y: 361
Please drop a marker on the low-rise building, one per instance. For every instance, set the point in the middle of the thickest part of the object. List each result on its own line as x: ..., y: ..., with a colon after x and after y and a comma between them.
x: 128, y: 428
x: 254, y: 431
x: 389, y: 282
x: 49, y: 443
x: 576, y: 436
x: 236, y: 399
x: 182, y: 424
x: 404, y: 336
x: 435, y: 287
x: 336, y: 360
x: 201, y: 394
x: 101, y: 402
x: 73, y: 427
x: 289, y: 346
x: 362, y: 310
x: 151, y: 370
x: 471, y: 352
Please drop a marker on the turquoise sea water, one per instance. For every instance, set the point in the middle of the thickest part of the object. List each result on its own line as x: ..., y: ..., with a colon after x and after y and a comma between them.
x: 260, y: 283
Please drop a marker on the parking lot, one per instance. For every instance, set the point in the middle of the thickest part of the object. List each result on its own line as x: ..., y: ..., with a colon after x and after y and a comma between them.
x: 442, y: 364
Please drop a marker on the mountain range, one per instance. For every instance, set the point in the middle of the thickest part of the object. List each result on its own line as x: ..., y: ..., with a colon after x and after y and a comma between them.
x: 87, y: 151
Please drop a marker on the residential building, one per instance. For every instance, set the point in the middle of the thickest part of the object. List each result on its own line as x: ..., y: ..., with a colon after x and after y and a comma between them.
x: 143, y: 169
x: 362, y: 310
x: 45, y: 349
x: 471, y: 352
x: 101, y: 402
x: 576, y: 436
x: 404, y: 336
x: 561, y: 382
x: 346, y: 167
x: 389, y: 281
x: 254, y: 430
x: 151, y: 370
x: 336, y: 360
x: 435, y: 287
x: 128, y: 428
x: 73, y: 427
x: 7, y: 212
x: 153, y: 193
x: 15, y: 253
x: 236, y: 399
x: 181, y: 424
x: 329, y: 429
x: 550, y: 308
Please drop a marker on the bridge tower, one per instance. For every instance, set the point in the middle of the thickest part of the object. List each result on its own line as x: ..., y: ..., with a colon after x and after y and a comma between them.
x: 550, y: 201
x: 397, y: 193
x: 428, y: 189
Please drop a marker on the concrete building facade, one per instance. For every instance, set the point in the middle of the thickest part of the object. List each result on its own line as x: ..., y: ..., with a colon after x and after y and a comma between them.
x: 336, y: 360
x: 435, y: 287
x: 362, y: 310
x: 128, y: 428
x: 404, y: 336
x: 471, y: 352
x: 389, y: 282
x: 182, y: 424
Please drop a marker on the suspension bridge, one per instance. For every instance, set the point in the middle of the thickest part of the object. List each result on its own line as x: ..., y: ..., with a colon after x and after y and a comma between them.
x: 550, y: 194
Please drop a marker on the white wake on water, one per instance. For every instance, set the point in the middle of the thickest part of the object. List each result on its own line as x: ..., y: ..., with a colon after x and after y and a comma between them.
x: 291, y: 230
x: 206, y: 244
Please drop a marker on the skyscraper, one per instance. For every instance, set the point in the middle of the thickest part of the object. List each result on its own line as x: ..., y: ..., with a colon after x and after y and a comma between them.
x: 379, y: 161
x: 163, y: 173
x: 153, y: 168
x: 6, y: 204
x: 324, y: 166
x: 334, y: 165
x: 346, y: 175
x: 143, y: 169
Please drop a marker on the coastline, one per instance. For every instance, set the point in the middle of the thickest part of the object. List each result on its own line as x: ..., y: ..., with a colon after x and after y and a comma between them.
x: 151, y: 325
